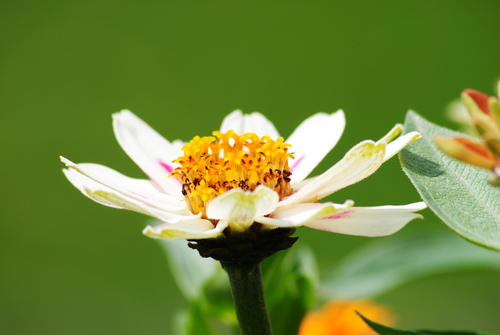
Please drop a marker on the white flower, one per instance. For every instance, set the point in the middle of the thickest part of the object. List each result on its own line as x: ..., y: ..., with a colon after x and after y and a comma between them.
x: 244, y: 174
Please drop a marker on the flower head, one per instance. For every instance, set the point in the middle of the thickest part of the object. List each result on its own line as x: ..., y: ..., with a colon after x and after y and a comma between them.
x: 244, y: 177
x: 484, y: 114
x: 213, y: 165
x: 340, y: 318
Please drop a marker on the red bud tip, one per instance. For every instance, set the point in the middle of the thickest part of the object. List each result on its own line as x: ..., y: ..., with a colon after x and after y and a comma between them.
x: 480, y: 99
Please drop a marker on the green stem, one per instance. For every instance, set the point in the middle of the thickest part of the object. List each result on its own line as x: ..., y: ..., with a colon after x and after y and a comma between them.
x: 249, y: 301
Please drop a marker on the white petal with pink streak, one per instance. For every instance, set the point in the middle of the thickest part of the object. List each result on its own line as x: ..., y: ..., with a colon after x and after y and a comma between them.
x: 360, y: 162
x: 369, y: 221
x: 300, y: 214
x: 112, y: 198
x: 148, y: 149
x: 312, y: 141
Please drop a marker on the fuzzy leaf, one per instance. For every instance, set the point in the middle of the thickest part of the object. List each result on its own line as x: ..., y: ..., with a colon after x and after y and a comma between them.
x: 458, y: 193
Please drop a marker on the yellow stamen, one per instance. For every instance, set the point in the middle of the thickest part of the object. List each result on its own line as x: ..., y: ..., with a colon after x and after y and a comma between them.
x: 212, y: 165
x: 316, y: 198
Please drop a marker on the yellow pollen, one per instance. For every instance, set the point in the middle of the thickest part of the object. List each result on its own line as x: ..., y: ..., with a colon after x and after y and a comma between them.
x: 212, y: 165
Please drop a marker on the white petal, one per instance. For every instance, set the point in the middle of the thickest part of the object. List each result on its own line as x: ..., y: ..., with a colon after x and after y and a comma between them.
x: 397, y: 145
x: 240, y: 207
x: 392, y: 134
x: 299, y: 185
x: 359, y: 162
x: 109, y: 197
x: 369, y: 221
x: 138, y: 189
x: 249, y: 123
x: 298, y: 215
x: 312, y: 141
x: 185, y: 230
x: 90, y: 188
x: 148, y: 149
x: 177, y: 146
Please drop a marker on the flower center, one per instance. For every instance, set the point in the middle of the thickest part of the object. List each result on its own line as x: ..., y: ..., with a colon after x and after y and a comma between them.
x: 212, y: 165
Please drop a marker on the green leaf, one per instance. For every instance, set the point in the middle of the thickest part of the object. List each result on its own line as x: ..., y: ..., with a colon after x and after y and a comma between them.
x: 192, y: 322
x: 188, y: 268
x: 384, y: 330
x: 216, y: 300
x: 302, y: 263
x: 457, y: 192
x: 384, y: 264
x: 291, y: 281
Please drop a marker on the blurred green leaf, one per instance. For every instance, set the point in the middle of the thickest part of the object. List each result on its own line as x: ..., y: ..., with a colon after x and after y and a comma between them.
x: 290, y: 289
x: 216, y: 300
x: 194, y: 322
x: 188, y: 268
x: 384, y: 330
x: 386, y: 263
x: 458, y: 193
x: 179, y: 321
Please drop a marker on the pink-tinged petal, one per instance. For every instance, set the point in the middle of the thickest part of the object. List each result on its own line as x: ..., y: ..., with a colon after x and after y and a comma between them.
x: 240, y: 208
x: 359, y: 162
x: 369, y: 221
x: 111, y: 198
x: 249, y: 123
x: 185, y: 230
x: 148, y: 149
x: 300, y: 214
x: 466, y: 150
x: 141, y: 190
x: 312, y: 141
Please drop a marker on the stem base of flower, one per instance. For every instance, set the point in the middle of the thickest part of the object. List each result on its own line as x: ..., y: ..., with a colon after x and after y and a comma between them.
x: 246, y: 249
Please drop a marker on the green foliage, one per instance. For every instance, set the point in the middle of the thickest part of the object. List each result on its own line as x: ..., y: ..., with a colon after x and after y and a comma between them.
x: 194, y: 276
x: 458, y: 193
x: 290, y: 287
x: 384, y: 264
x: 192, y: 322
x: 384, y: 330
x: 291, y: 278
x: 216, y: 300
x: 189, y: 270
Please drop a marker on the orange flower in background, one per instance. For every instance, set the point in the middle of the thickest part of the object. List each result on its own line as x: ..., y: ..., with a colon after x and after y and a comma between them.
x: 484, y: 113
x: 340, y: 318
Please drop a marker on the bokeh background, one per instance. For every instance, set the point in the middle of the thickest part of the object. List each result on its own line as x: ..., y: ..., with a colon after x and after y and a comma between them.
x: 70, y: 266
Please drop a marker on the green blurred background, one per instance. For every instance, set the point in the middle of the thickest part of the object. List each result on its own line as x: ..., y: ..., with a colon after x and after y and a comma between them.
x: 70, y: 266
